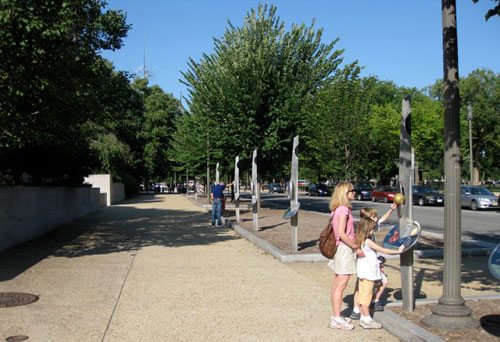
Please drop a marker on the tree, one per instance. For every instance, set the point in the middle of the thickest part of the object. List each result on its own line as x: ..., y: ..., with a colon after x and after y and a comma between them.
x: 251, y: 90
x: 491, y: 12
x: 481, y: 90
x: 160, y: 112
x: 51, y: 77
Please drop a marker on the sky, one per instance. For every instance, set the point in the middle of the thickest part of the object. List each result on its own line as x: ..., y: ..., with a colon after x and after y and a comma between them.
x: 395, y: 40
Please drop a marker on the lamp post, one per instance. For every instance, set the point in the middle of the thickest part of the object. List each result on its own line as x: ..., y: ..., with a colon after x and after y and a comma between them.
x: 471, y: 165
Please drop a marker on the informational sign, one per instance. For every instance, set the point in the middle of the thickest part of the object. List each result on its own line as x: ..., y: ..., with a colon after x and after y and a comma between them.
x: 290, y: 212
x: 408, y: 236
x: 494, y: 262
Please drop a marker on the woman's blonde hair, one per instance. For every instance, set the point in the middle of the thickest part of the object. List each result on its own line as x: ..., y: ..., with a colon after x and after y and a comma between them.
x: 365, y: 227
x: 339, y: 196
x: 368, y: 212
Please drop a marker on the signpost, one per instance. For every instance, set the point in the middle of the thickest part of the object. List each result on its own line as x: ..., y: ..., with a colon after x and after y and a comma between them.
x: 217, y: 174
x: 254, y: 190
x: 405, y: 215
x: 294, y: 194
x: 237, y: 187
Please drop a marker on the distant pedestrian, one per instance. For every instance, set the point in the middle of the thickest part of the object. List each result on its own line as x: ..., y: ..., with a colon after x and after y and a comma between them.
x: 343, y: 263
x: 368, y: 270
x: 217, y: 196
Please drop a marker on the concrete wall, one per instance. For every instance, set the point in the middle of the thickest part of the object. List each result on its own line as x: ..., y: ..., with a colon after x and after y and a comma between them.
x: 115, y: 192
x: 28, y: 212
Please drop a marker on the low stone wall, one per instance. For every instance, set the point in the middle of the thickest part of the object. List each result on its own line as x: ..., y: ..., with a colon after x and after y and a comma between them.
x: 28, y: 212
x: 115, y: 192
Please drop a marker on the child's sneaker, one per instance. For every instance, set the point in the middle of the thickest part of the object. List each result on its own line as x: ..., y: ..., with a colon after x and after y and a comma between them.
x: 371, y: 324
x: 340, y: 324
x: 355, y: 315
x: 378, y: 307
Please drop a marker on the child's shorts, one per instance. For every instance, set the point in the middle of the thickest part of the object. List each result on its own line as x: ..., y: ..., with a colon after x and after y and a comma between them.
x: 365, y: 292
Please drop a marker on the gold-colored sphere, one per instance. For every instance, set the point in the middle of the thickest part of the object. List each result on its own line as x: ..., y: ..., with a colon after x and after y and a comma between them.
x: 399, y: 199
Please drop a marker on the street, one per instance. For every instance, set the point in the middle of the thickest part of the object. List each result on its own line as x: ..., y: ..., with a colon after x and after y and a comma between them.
x: 483, y: 225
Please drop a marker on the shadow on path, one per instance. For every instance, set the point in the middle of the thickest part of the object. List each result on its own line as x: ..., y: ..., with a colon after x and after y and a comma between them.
x: 121, y: 228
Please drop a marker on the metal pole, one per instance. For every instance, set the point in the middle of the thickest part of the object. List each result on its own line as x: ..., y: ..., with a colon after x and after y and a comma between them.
x: 405, y: 181
x: 217, y: 174
x: 294, y: 221
x: 451, y: 313
x: 471, y: 163
x: 237, y: 187
x: 254, y: 190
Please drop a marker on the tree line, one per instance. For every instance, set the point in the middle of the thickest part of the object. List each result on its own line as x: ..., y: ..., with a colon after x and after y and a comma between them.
x: 65, y: 112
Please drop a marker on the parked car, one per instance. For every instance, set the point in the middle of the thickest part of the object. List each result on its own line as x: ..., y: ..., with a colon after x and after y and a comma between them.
x: 275, y: 187
x: 302, y: 182
x: 426, y: 195
x: 384, y: 193
x: 478, y: 197
x: 319, y: 190
x: 362, y: 192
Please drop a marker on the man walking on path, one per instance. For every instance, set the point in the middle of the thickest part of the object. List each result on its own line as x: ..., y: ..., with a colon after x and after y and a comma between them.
x: 217, y: 196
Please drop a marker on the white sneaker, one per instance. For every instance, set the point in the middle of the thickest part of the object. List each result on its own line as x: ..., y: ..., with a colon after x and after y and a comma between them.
x: 340, y: 324
x: 345, y: 319
x: 371, y: 324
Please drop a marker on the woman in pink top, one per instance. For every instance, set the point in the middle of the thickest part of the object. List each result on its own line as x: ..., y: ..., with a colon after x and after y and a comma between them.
x: 343, y: 263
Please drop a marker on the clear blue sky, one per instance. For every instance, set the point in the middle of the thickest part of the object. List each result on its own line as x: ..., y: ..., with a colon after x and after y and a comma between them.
x: 396, y: 40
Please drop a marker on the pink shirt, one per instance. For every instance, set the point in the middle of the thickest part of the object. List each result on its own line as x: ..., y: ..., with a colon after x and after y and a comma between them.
x: 349, y: 230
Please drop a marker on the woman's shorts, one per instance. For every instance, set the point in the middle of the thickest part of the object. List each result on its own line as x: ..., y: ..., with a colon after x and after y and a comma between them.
x: 344, y: 261
x: 365, y: 293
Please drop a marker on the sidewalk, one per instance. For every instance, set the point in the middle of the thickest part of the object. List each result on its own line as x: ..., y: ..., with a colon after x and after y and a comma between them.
x: 154, y: 269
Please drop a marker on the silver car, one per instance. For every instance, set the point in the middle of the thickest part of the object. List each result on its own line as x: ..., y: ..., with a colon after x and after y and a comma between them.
x: 478, y: 197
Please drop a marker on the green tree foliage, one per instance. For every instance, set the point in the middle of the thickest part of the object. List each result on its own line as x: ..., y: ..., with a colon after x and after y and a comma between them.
x: 160, y: 112
x: 481, y: 90
x: 251, y: 90
x: 51, y: 78
x: 334, y: 134
x: 493, y: 11
x: 427, y: 135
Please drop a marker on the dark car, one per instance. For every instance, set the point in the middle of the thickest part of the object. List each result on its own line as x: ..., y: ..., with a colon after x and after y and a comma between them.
x: 276, y: 187
x: 362, y: 192
x: 384, y: 193
x: 425, y: 195
x: 319, y: 190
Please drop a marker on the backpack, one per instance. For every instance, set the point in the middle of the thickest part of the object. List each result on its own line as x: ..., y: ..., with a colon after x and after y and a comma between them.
x: 327, y: 241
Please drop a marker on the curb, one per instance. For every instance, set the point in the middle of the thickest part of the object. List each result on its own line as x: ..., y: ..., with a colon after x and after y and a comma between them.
x: 486, y: 248
x: 403, y: 328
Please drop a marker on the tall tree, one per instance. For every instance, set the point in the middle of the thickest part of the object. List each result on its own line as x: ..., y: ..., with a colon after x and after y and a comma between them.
x: 481, y: 90
x: 253, y: 87
x: 51, y: 75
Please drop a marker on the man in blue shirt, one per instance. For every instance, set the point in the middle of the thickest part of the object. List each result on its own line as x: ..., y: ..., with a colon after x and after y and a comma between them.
x: 217, y: 196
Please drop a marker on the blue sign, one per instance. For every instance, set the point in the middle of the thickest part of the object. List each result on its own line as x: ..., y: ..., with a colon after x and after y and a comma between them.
x: 494, y: 262
x: 291, y: 211
x: 407, y: 237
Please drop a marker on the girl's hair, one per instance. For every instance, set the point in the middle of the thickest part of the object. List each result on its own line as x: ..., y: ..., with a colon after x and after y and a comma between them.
x: 368, y: 212
x: 339, y: 196
x: 365, y: 227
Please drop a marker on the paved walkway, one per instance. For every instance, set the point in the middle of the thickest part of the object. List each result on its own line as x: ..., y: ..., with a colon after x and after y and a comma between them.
x: 154, y: 269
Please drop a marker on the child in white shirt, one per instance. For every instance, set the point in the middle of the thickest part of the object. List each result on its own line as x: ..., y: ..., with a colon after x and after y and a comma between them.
x: 368, y: 269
